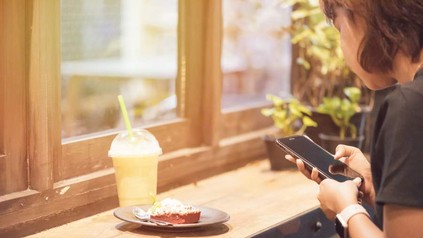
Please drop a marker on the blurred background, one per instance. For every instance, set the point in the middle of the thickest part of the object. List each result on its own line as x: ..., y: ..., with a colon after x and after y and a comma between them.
x: 129, y: 47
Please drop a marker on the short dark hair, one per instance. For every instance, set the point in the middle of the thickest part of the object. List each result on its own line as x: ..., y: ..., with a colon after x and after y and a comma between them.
x: 391, y: 26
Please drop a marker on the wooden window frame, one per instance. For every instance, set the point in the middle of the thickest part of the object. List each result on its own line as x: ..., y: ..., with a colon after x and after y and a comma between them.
x: 12, y: 99
x: 203, y: 142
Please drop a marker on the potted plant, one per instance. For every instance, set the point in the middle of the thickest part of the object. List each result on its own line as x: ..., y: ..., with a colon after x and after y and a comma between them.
x: 290, y: 117
x: 319, y: 69
x: 341, y: 111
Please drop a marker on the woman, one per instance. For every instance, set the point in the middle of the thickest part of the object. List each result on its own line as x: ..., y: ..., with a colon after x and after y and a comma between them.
x: 382, y: 43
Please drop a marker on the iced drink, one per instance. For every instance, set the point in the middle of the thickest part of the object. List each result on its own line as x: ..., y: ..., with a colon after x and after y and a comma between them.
x: 135, y: 159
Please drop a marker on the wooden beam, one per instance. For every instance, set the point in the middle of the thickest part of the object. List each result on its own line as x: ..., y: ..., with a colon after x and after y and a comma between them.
x: 44, y: 84
x: 199, y: 76
x: 211, y: 106
x: 13, y: 166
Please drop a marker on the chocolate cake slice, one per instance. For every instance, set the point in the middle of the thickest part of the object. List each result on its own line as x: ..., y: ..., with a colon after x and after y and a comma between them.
x: 174, y: 211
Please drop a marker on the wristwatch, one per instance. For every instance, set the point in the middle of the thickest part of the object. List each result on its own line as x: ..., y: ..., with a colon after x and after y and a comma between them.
x: 341, y: 220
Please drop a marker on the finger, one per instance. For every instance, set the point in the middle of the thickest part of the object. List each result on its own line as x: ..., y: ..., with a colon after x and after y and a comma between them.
x: 340, y: 151
x: 290, y: 158
x: 344, y: 150
x: 315, y: 175
x: 301, y: 167
x: 343, y: 159
x: 357, y: 181
x: 300, y: 164
x: 360, y: 195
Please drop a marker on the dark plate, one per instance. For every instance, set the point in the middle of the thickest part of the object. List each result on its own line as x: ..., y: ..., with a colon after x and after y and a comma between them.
x: 209, y: 216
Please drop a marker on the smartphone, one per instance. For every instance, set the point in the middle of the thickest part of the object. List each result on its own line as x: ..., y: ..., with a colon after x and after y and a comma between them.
x: 314, y: 156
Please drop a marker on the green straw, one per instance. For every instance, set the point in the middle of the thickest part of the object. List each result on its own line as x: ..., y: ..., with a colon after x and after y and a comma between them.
x: 125, y: 115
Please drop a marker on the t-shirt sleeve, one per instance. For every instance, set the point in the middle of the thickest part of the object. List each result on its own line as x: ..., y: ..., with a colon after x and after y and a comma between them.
x: 402, y: 170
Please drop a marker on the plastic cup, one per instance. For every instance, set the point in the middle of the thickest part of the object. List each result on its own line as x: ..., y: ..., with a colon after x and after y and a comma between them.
x: 135, y: 159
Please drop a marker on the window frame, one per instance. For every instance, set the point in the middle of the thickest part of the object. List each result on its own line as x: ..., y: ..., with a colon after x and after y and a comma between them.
x: 12, y: 100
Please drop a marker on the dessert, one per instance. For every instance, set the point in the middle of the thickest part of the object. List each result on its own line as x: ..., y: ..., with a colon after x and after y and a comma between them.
x: 174, y: 211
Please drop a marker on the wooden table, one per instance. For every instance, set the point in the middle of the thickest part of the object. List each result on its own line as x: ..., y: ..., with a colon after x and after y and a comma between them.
x: 255, y: 198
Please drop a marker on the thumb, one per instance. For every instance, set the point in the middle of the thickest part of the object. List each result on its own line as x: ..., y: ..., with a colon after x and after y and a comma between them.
x: 340, y: 151
x: 357, y: 181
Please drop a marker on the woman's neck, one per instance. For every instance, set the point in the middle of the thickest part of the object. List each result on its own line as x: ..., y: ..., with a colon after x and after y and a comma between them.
x: 405, y: 70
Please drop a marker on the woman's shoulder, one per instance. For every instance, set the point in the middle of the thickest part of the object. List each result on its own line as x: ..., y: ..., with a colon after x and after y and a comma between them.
x: 405, y: 102
x: 408, y: 96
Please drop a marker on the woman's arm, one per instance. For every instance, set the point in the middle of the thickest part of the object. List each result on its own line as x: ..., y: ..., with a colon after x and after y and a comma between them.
x: 402, y: 221
x: 334, y: 197
x: 360, y: 226
x: 399, y: 221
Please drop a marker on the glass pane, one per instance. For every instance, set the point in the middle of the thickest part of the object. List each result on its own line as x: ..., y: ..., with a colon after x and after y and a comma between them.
x: 112, y: 47
x: 256, y: 57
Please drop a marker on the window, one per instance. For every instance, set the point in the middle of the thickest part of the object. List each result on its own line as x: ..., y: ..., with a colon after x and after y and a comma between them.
x: 256, y: 60
x: 109, y: 48
x: 117, y: 47
x: 256, y: 55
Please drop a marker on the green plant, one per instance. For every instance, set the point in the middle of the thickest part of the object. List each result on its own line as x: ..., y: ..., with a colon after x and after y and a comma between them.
x: 289, y: 116
x: 322, y: 71
x: 342, y: 109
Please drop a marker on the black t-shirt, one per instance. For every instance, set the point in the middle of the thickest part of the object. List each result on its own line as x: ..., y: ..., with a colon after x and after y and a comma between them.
x: 397, y: 151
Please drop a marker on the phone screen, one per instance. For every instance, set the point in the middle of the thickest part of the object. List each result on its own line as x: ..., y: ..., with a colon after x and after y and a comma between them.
x: 313, y: 155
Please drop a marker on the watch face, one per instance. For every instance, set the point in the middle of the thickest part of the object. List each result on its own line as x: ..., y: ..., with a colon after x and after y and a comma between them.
x: 340, y: 229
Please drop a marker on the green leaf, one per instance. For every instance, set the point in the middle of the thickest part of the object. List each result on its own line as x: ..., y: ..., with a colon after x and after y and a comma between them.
x: 353, y: 93
x: 294, y: 110
x: 342, y: 110
x: 288, y: 114
x: 281, y: 115
x: 303, y: 13
x: 292, y: 2
x: 300, y: 36
x: 277, y: 101
x: 309, y: 122
x: 267, y: 111
x: 304, y: 109
x: 304, y: 63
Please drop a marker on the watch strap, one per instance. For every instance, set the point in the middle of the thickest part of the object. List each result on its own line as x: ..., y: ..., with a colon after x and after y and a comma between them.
x: 352, y: 210
x: 341, y: 221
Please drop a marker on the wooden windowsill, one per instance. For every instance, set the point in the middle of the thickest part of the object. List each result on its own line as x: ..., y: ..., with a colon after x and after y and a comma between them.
x: 254, y: 197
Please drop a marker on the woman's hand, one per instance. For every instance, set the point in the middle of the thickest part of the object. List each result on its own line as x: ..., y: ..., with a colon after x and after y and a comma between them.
x: 313, y: 175
x: 356, y: 160
x: 335, y: 196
